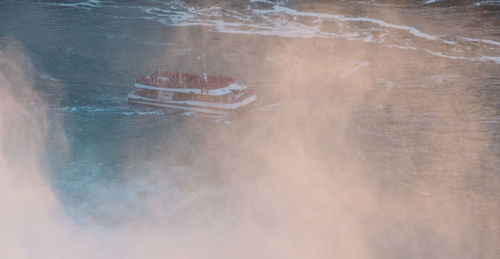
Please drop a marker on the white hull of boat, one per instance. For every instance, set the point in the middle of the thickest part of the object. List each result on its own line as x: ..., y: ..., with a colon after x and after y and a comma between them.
x: 194, y: 106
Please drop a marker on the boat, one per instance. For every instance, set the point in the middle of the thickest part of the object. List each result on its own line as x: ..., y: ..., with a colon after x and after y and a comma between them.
x: 200, y: 93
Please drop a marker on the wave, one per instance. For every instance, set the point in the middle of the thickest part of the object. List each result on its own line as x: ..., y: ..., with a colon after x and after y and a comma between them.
x: 282, y: 21
x: 123, y: 110
x: 48, y: 77
x: 85, y: 4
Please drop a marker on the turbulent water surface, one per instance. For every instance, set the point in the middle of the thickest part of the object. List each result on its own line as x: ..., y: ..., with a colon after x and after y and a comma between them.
x: 376, y: 134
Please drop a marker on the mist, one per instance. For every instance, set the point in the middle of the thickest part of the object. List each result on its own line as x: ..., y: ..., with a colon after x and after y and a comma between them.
x: 356, y: 149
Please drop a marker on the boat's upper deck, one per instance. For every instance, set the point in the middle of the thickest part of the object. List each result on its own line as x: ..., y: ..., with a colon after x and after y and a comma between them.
x: 167, y: 79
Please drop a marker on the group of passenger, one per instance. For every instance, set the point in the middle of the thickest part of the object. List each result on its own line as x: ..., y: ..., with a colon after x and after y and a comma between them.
x: 169, y: 79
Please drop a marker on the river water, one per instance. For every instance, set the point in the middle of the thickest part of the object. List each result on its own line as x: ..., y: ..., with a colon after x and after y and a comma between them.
x: 376, y: 133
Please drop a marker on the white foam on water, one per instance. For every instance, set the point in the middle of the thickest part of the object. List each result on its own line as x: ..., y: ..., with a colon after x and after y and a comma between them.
x: 369, y: 38
x: 481, y: 58
x: 48, y: 77
x: 431, y: 1
x: 154, y: 43
x: 282, y: 21
x: 402, y: 47
x: 144, y: 113
x: 321, y: 17
x: 188, y: 114
x: 382, y: 23
x: 272, y: 60
x: 492, y: 120
x: 89, y: 108
x: 276, y: 24
x: 494, y: 59
x: 387, y: 83
x: 491, y: 42
x: 488, y: 2
x: 261, y: 1
x: 85, y: 4
x: 109, y: 109
x: 280, y: 2
x: 358, y: 67
x: 436, y: 77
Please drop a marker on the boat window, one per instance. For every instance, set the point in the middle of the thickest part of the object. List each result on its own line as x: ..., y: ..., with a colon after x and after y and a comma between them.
x: 148, y: 93
x: 181, y: 96
x: 206, y: 98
